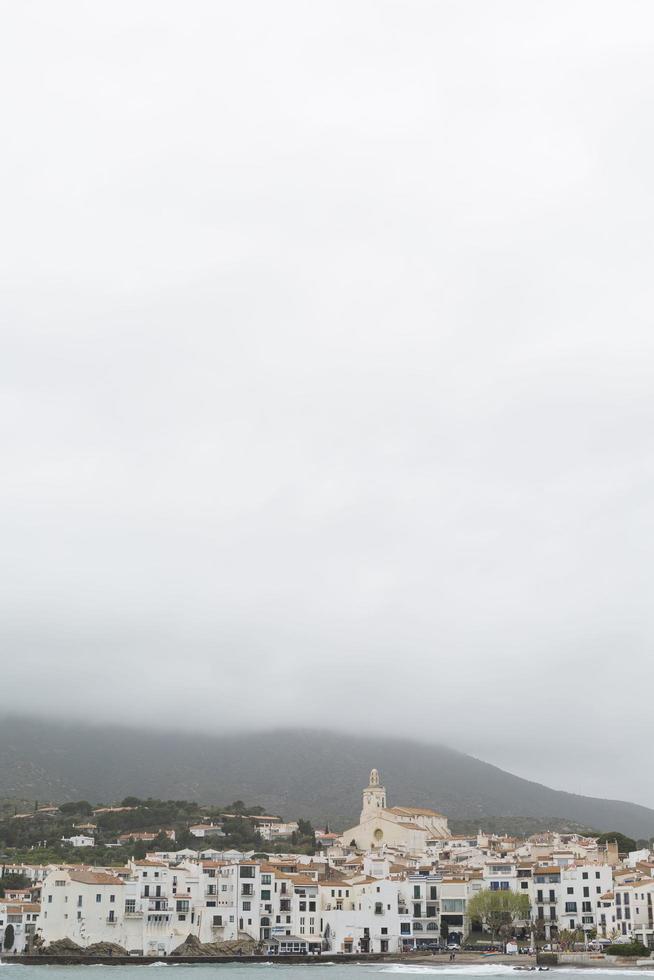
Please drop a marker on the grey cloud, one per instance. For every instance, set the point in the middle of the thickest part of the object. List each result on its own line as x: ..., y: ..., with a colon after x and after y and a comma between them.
x: 327, y: 368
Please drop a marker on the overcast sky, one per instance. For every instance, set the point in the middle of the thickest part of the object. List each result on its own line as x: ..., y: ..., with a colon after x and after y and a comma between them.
x: 327, y: 369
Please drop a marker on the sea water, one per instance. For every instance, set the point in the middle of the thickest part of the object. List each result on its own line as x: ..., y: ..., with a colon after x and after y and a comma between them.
x: 301, y: 971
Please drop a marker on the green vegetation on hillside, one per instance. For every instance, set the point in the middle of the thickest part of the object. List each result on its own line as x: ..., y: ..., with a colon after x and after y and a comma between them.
x: 37, y: 837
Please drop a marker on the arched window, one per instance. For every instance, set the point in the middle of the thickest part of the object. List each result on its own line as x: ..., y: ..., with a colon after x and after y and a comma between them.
x: 417, y: 926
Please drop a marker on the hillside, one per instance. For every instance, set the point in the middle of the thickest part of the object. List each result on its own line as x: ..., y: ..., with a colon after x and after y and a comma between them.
x: 312, y: 774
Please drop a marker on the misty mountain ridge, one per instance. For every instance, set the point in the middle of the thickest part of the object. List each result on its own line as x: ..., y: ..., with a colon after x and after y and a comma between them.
x: 314, y: 774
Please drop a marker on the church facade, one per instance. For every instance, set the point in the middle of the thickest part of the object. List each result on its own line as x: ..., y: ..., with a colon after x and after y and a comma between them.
x: 406, y: 827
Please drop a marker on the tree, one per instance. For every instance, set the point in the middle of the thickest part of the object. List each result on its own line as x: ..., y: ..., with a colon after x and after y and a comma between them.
x: 82, y: 807
x: 568, y: 938
x: 9, y: 937
x: 538, y: 931
x: 625, y: 844
x: 498, y: 909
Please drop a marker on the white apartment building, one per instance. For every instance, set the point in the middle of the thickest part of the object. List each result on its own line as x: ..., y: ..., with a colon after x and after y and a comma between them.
x: 568, y: 896
x: 83, y: 905
x: 605, y: 916
x: 206, y: 830
x: 634, y: 910
x: 581, y: 889
x: 365, y: 917
x: 23, y: 918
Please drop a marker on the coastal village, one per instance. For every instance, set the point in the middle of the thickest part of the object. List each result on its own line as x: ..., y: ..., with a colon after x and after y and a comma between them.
x: 396, y: 882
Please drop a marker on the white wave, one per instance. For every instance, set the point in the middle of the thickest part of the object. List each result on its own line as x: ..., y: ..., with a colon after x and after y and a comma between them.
x: 499, y: 969
x: 461, y: 969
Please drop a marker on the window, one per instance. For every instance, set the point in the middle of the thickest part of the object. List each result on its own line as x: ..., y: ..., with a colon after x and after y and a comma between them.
x: 130, y: 905
x: 416, y: 891
x: 246, y: 871
x: 524, y: 884
x: 586, y: 891
x: 571, y: 906
x: 504, y: 886
x: 266, y: 879
x: 570, y: 891
x: 49, y: 899
x: 405, y: 928
x: 112, y: 898
x: 98, y: 898
x: 584, y: 875
x: 247, y: 906
x: 433, y: 892
x: 265, y: 895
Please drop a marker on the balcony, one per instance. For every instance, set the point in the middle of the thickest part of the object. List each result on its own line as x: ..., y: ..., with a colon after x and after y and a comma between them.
x: 111, y: 922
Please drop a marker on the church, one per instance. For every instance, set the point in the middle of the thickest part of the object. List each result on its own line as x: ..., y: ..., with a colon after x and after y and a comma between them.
x: 409, y: 828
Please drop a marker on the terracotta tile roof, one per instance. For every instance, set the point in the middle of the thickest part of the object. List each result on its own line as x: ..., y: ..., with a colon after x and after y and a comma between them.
x: 95, y: 878
x: 414, y: 811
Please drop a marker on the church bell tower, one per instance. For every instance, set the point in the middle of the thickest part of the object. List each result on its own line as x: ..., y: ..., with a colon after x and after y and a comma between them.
x: 374, y: 797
